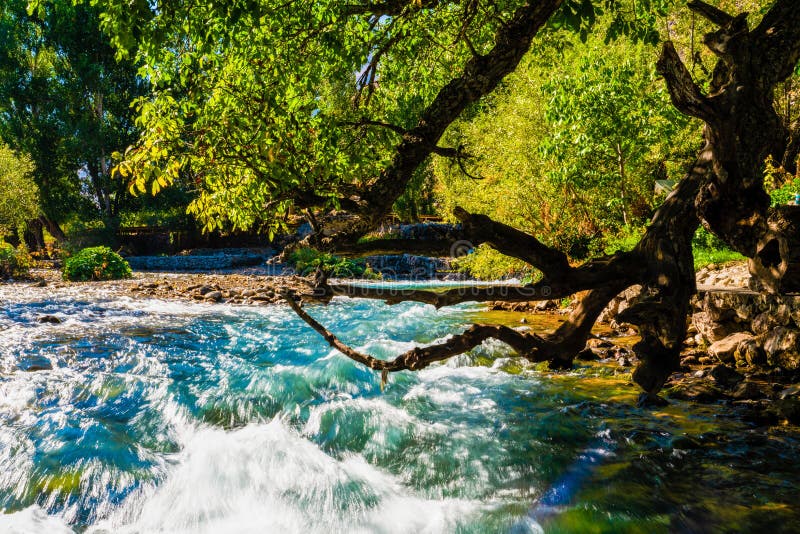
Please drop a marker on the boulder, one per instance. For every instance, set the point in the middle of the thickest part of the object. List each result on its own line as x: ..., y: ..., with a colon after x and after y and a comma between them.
x: 782, y: 348
x: 215, y: 296
x: 725, y: 349
x: 750, y: 354
x: 725, y: 376
x: 712, y: 330
x: 749, y: 391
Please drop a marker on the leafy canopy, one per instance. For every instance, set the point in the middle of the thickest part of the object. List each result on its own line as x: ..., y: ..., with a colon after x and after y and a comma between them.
x: 19, y: 196
x: 263, y: 105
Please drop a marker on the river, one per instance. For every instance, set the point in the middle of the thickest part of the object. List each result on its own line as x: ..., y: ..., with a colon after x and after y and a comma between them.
x: 153, y: 416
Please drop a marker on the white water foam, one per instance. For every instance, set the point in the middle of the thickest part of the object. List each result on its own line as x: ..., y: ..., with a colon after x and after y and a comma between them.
x: 267, y: 478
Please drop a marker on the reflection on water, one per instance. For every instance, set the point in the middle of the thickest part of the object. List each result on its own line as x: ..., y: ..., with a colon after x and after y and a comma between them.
x: 149, y: 416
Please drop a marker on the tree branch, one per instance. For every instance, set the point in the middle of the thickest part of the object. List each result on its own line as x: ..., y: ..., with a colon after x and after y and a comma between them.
x: 393, y: 127
x: 420, y: 357
x: 515, y: 243
x: 710, y: 13
x: 480, y: 76
x: 686, y: 95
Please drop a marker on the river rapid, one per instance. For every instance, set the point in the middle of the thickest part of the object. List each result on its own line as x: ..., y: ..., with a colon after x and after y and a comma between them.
x: 137, y: 415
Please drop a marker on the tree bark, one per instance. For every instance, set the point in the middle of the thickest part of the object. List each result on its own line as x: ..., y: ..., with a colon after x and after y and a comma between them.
x: 743, y: 129
x: 723, y: 188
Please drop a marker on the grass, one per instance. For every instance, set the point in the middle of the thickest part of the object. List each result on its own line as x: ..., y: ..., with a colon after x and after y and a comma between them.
x: 707, y: 256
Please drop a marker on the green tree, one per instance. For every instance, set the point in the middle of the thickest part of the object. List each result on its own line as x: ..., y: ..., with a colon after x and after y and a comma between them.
x: 19, y: 196
x: 65, y: 100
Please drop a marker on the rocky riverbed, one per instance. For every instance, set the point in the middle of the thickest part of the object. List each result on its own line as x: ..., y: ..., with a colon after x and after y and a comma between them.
x: 240, y: 287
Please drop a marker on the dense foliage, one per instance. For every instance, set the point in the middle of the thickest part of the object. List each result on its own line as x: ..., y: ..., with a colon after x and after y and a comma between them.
x: 19, y: 196
x: 65, y: 101
x: 307, y: 261
x: 96, y: 263
x: 14, y: 263
x: 571, y: 147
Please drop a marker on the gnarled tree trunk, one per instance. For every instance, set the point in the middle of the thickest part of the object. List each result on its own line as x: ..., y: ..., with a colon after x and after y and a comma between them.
x: 723, y: 189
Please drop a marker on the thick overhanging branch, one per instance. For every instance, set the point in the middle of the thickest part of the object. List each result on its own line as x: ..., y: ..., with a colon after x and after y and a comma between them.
x: 439, y: 299
x: 420, y: 357
x: 515, y: 243
x: 480, y: 76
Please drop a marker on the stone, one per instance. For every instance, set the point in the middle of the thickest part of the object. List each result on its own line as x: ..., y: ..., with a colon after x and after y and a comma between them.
x: 782, y: 347
x: 789, y: 409
x: 724, y: 350
x: 711, y: 330
x: 748, y: 391
x: 762, y: 323
x: 750, y: 354
x: 690, y: 360
x: 52, y: 319
x: 726, y: 377
x: 202, y: 290
x: 697, y: 391
x: 599, y: 343
x: 216, y: 296
x: 546, y: 305
x: 586, y: 355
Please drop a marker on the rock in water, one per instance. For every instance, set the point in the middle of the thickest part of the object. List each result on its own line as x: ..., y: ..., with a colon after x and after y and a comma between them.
x: 725, y: 376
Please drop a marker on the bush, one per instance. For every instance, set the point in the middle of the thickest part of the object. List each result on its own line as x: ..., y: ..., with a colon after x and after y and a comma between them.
x: 96, y: 263
x: 308, y: 260
x: 14, y: 263
x: 485, y: 263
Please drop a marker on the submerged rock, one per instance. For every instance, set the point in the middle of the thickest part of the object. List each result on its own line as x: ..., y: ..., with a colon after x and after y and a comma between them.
x: 725, y: 376
x: 52, y: 319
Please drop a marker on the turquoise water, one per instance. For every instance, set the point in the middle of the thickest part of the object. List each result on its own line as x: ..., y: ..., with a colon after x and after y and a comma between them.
x: 152, y: 416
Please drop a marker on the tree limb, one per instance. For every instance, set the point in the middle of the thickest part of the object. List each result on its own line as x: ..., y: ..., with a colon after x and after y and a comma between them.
x: 710, y: 13
x: 393, y: 127
x: 685, y: 93
x: 480, y: 76
x: 420, y: 357
x: 515, y: 243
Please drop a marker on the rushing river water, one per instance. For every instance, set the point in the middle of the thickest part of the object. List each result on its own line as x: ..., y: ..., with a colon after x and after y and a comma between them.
x: 152, y: 416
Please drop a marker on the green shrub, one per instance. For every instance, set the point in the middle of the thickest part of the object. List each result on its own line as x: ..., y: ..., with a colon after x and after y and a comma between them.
x: 784, y: 194
x: 96, y: 263
x: 14, y: 263
x: 485, y: 263
x: 308, y: 260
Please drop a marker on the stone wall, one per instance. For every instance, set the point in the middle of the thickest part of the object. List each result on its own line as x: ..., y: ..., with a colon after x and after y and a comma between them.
x: 194, y: 263
x: 410, y: 267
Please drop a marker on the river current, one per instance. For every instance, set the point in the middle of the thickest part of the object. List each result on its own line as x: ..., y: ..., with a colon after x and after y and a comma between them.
x: 151, y: 416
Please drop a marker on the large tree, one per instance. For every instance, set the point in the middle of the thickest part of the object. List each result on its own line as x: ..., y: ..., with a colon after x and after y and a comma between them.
x: 315, y: 104
x: 65, y: 100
